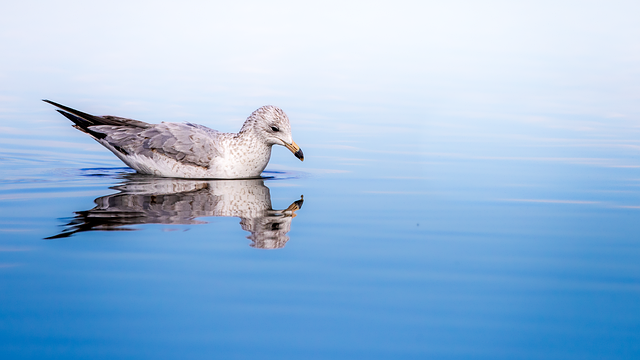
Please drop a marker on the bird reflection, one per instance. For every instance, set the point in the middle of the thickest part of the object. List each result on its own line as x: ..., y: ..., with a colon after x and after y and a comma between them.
x: 149, y: 200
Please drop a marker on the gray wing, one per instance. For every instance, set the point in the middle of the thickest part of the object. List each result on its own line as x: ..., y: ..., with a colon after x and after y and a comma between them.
x: 186, y: 143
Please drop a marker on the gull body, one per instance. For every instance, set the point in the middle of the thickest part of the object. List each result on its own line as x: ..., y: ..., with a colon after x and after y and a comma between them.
x: 185, y: 150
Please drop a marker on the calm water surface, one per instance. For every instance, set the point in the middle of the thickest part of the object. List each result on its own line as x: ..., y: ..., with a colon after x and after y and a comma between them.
x: 390, y: 254
x: 470, y: 189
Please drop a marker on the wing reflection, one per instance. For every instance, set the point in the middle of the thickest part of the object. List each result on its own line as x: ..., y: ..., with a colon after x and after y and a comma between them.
x: 149, y: 200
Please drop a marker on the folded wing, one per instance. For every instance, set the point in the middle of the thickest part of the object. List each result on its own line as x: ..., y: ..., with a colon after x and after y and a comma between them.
x: 186, y: 143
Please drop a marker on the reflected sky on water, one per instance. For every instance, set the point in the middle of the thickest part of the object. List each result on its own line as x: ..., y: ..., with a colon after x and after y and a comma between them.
x: 471, y: 182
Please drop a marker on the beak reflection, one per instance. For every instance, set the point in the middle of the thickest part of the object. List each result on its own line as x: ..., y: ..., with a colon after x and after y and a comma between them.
x: 149, y: 200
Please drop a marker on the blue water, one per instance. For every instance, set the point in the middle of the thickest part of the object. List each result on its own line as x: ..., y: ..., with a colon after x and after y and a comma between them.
x: 470, y: 189
x: 478, y: 258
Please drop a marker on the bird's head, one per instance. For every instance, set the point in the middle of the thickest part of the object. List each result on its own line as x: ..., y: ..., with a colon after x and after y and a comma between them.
x: 272, y: 124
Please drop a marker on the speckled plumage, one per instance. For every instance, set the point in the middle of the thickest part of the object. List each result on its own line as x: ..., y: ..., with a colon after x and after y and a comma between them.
x: 185, y: 150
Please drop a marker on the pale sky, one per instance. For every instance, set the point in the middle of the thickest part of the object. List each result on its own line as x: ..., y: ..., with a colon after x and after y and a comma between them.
x: 575, y: 57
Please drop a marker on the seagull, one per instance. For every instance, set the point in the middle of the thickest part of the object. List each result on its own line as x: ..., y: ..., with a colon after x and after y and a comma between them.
x: 185, y: 150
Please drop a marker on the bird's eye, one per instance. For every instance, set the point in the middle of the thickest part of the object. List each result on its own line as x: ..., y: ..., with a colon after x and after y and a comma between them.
x: 275, y: 128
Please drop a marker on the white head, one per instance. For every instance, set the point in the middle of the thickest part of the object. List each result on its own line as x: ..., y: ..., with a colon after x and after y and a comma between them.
x: 272, y: 124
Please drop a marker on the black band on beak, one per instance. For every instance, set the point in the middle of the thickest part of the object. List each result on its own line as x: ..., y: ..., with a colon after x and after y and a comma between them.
x: 299, y: 154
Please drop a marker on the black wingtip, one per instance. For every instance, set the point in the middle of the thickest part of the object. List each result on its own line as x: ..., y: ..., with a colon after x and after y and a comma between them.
x: 59, y: 236
x: 53, y: 103
x: 75, y: 119
x: 93, y: 120
x: 83, y: 125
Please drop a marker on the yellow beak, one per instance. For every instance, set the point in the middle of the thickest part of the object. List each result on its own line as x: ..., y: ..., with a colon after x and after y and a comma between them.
x: 295, y: 149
